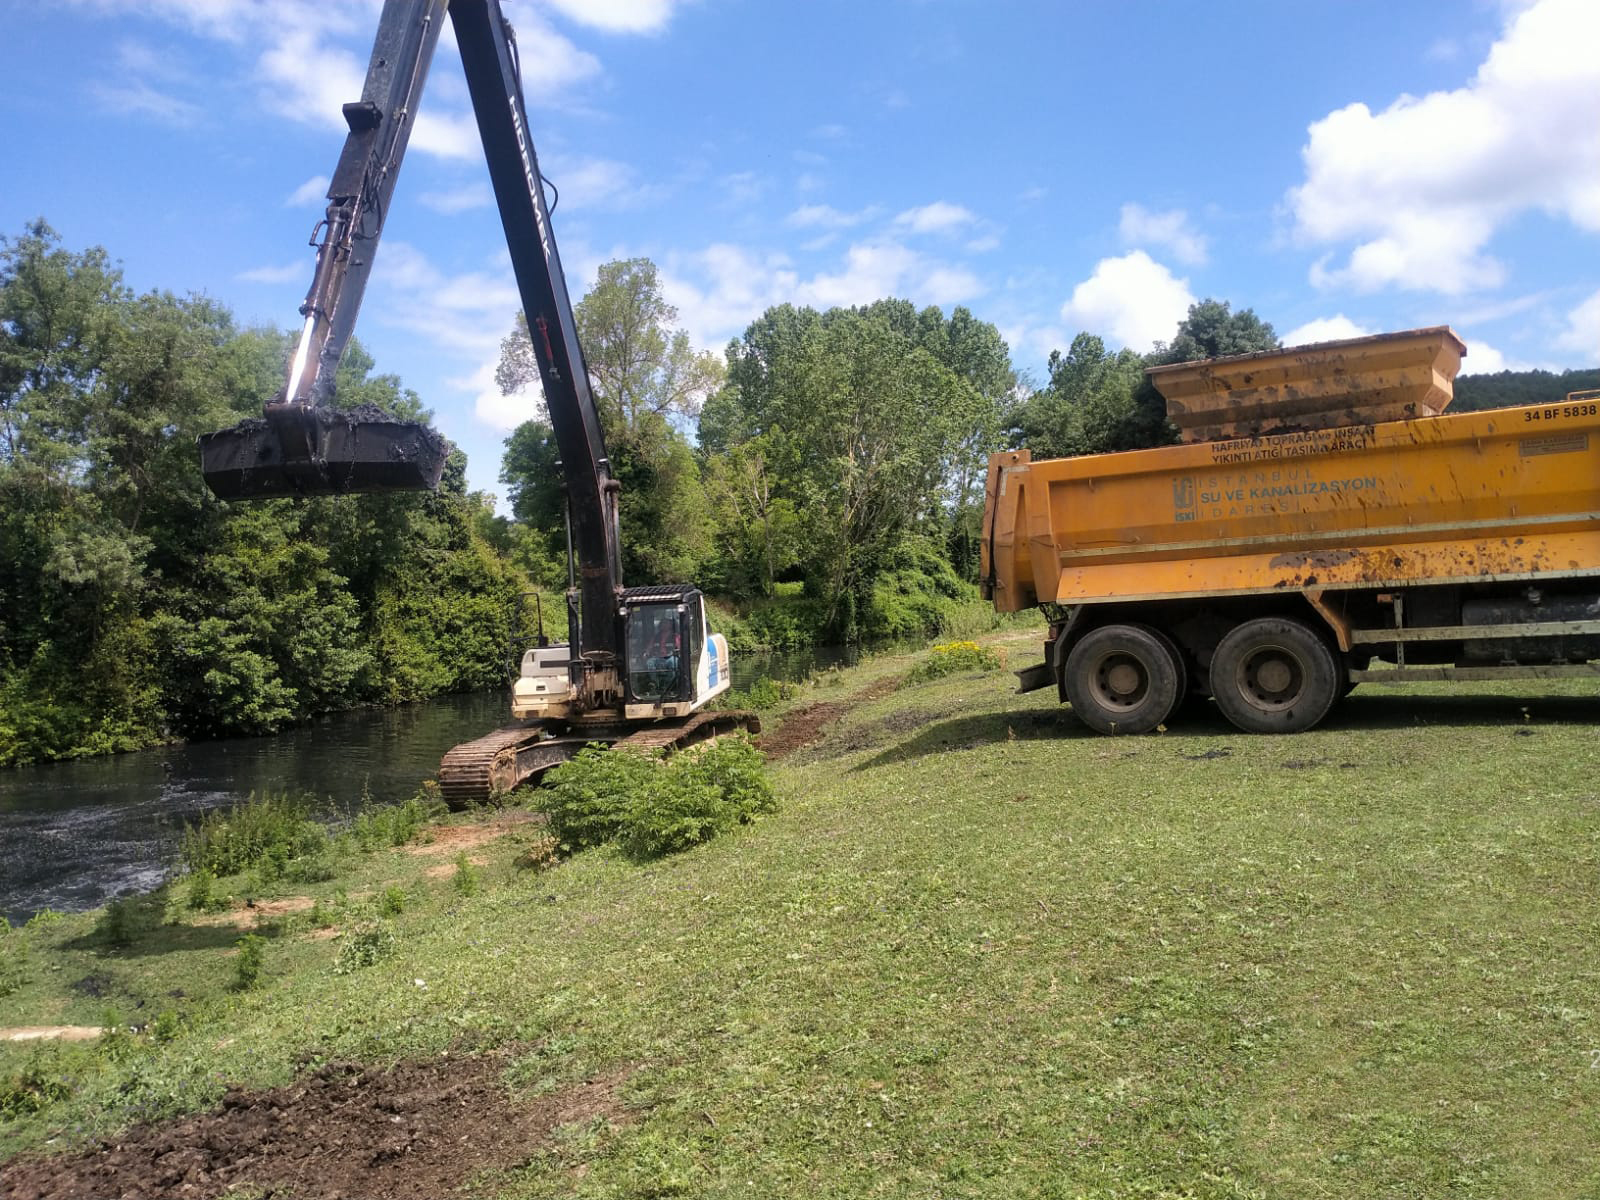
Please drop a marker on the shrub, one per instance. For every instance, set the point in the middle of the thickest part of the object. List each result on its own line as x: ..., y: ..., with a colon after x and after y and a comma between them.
x: 392, y: 902
x: 252, y: 957
x: 124, y: 920
x: 654, y: 806
x: 950, y: 657
x: 266, y: 832
x: 588, y: 799
x: 14, y: 972
x: 365, y: 946
x: 376, y: 828
x: 30, y: 1090
x: 542, y: 852
x: 762, y: 694
x: 200, y: 891
x: 465, y: 880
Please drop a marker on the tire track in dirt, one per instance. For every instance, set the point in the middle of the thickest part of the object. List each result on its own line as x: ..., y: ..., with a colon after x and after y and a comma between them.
x: 806, y: 725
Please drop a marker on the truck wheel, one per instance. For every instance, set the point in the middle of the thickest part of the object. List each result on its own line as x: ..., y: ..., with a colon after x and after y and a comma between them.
x: 1124, y: 679
x: 1274, y: 675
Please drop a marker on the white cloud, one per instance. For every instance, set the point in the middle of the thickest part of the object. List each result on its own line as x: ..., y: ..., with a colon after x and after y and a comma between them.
x: 825, y: 216
x: 1325, y: 329
x: 720, y: 290
x: 1168, y: 230
x: 1133, y: 300
x: 742, y: 188
x: 938, y: 217
x: 458, y: 199
x: 315, y: 58
x: 600, y: 183
x: 1582, y: 334
x: 1422, y: 186
x: 491, y: 406
x: 1483, y: 359
x: 875, y: 270
x: 616, y: 16
x: 1032, y: 195
x: 466, y: 313
x: 136, y: 97
x: 551, y: 64
x: 300, y: 270
x: 311, y: 191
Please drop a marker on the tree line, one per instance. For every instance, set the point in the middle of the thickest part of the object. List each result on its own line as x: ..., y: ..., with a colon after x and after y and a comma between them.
x: 822, y: 478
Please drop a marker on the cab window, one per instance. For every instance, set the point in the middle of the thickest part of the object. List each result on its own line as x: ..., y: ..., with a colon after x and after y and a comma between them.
x: 655, y: 652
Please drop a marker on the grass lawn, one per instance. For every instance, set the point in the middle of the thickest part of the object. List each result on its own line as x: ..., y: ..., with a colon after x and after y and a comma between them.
x: 978, y: 952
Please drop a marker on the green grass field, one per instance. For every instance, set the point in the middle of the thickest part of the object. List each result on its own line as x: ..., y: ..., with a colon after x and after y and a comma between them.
x: 978, y: 952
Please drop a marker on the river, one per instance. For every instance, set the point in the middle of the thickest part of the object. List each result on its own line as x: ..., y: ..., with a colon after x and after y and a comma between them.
x: 74, y: 835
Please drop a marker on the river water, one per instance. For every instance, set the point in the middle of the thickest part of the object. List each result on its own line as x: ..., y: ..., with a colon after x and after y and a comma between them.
x: 74, y: 835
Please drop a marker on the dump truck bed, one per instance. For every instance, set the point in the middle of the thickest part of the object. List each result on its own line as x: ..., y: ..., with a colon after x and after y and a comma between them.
x: 1482, y: 496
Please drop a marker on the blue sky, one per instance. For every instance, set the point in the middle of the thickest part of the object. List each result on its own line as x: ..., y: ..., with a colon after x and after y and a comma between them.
x: 1341, y: 167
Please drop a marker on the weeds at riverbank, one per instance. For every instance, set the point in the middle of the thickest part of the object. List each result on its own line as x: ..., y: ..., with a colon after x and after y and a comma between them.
x: 979, y: 952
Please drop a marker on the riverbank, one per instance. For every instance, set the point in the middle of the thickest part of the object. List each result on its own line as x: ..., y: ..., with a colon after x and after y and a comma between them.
x: 976, y: 952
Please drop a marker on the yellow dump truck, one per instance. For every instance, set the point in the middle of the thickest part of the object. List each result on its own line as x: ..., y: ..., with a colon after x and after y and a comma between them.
x: 1322, y: 512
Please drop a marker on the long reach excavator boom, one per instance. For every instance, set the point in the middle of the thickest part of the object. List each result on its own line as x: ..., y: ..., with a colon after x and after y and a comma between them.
x: 640, y: 663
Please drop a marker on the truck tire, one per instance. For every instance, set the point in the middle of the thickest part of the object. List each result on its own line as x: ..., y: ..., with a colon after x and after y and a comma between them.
x: 1124, y: 679
x: 1274, y: 675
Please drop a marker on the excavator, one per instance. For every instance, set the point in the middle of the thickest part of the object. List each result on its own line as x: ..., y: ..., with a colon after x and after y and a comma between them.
x: 641, y: 664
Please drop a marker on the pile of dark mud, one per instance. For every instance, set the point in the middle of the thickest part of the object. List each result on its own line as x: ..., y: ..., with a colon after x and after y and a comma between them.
x: 417, y: 1130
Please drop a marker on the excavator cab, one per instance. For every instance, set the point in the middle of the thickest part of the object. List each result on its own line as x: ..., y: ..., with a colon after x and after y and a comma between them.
x: 675, y: 664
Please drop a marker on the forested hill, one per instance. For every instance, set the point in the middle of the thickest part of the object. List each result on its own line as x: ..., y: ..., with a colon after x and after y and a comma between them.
x: 1511, y: 389
x: 136, y: 607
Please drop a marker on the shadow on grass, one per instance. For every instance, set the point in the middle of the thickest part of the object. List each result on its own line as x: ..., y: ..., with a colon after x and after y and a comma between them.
x: 133, y: 927
x: 980, y: 729
x: 1365, y: 710
x: 1383, y: 709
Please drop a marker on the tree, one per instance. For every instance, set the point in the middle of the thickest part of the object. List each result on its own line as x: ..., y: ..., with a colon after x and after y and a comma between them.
x: 1213, y: 330
x: 646, y: 378
x: 640, y: 364
x: 863, y: 426
x: 1089, y: 405
x: 1098, y: 402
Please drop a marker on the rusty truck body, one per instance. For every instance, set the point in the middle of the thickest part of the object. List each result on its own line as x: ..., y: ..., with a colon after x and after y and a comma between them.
x: 1324, y: 523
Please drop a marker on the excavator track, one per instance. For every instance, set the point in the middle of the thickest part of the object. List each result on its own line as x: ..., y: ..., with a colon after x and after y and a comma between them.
x: 474, y: 771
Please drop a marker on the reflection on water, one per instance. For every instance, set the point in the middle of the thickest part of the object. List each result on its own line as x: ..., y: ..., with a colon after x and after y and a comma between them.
x: 76, y: 834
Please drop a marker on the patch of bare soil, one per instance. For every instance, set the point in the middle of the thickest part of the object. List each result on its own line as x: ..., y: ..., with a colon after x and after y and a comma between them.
x: 62, y: 1033
x: 449, y: 868
x: 452, y: 839
x: 805, y: 725
x: 246, y: 915
x: 413, y: 1132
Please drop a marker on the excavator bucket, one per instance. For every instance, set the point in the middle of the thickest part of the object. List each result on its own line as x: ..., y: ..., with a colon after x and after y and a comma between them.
x: 319, y: 451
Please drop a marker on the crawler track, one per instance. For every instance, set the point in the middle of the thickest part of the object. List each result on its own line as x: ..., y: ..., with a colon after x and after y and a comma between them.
x: 516, y: 754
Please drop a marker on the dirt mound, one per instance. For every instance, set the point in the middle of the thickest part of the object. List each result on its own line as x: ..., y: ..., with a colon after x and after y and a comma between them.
x: 805, y: 725
x: 417, y: 1130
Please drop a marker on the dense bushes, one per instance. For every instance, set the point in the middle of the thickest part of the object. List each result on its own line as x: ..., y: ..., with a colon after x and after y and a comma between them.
x: 655, y: 806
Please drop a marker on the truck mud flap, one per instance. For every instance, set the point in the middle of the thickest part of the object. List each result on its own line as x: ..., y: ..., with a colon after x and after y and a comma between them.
x: 321, y: 451
x: 1031, y: 679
